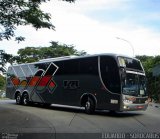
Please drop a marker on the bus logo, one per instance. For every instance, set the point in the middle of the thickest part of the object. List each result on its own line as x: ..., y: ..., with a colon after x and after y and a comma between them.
x: 71, y: 84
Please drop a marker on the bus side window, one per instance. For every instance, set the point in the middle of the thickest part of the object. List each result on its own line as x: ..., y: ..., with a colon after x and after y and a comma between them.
x: 110, y: 74
x: 107, y: 69
x: 10, y: 73
x: 26, y: 70
x: 19, y: 71
x: 71, y: 67
x: 89, y: 66
x: 60, y: 70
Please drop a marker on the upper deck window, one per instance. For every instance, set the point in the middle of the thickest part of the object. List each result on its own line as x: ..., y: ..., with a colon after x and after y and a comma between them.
x: 130, y: 63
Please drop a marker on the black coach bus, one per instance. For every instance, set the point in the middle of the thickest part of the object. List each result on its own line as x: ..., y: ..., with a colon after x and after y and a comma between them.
x: 105, y: 81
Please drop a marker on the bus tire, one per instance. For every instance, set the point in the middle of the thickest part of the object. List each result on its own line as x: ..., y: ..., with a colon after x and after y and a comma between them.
x: 25, y: 99
x: 89, y: 106
x: 18, y: 99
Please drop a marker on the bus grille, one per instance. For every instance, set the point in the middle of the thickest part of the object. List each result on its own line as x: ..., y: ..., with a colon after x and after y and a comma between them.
x: 140, y: 100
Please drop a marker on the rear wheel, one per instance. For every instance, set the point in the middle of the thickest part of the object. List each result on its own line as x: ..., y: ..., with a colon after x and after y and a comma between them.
x: 89, y: 106
x: 25, y: 99
x: 18, y: 99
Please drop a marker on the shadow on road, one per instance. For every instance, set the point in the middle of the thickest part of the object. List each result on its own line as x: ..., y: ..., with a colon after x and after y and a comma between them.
x: 72, y: 109
x: 118, y: 114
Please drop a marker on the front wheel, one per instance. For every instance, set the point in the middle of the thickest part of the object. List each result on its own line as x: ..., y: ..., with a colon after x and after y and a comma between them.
x: 89, y: 106
x: 25, y: 99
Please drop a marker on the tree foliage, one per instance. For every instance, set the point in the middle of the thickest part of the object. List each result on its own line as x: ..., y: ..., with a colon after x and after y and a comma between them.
x: 153, y: 83
x: 2, y: 82
x: 14, y: 13
x: 32, y: 54
x: 4, y: 58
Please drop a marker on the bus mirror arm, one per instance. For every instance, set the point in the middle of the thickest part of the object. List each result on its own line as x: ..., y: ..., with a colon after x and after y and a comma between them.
x: 123, y: 73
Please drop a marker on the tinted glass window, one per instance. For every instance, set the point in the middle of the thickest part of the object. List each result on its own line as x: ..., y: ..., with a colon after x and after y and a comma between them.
x: 43, y: 66
x: 71, y: 66
x: 10, y: 72
x: 110, y: 73
x: 26, y: 70
x: 67, y: 67
x: 134, y: 85
x: 39, y: 66
x: 78, y: 66
x: 60, y: 65
x: 18, y: 71
x: 51, y: 69
x: 33, y: 68
x: 89, y: 65
x: 39, y: 73
x: 130, y: 63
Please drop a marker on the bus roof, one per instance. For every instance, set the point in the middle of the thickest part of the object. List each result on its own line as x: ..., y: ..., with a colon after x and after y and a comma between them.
x: 75, y: 57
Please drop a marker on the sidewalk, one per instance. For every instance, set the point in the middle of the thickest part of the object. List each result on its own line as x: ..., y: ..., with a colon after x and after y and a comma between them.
x: 153, y: 104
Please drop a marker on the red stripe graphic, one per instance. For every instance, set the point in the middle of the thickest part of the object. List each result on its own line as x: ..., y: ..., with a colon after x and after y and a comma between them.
x: 33, y: 81
x: 44, y: 81
x: 52, y: 84
x: 15, y: 81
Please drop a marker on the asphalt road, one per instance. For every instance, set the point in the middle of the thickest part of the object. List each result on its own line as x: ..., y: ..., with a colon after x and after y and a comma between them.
x: 60, y: 122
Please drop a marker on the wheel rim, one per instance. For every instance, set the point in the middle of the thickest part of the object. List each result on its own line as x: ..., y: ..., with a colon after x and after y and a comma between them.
x: 88, y: 105
x: 25, y: 100
x: 18, y: 99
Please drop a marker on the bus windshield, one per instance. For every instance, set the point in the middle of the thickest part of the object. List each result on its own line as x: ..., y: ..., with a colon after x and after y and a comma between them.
x: 134, y: 85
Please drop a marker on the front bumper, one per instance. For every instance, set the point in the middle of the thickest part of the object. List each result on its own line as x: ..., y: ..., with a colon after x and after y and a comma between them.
x: 134, y: 107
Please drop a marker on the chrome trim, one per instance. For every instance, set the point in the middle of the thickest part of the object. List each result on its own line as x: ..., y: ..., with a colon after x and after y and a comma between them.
x: 134, y: 72
x: 133, y: 107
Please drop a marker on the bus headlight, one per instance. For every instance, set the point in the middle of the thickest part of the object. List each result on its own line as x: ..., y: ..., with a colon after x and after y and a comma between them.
x: 126, y: 107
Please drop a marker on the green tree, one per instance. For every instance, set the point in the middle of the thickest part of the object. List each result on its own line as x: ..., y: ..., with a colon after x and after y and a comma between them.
x: 2, y: 82
x: 14, y: 13
x: 27, y: 55
x: 153, y: 83
x: 32, y: 54
x: 147, y: 62
x: 4, y: 58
